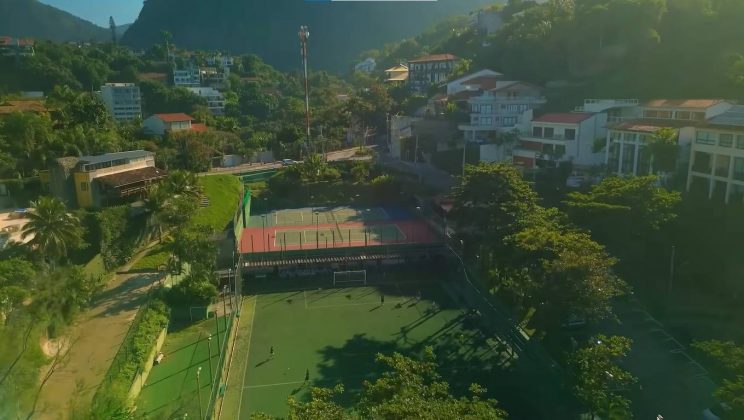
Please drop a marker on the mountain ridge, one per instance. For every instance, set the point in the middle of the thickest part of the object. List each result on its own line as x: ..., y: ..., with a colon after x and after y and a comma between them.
x: 30, y: 18
x: 339, y: 31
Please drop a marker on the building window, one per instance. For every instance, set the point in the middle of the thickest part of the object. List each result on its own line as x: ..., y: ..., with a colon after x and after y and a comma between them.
x: 725, y: 140
x: 548, y: 132
x: 706, y: 137
x: 740, y: 141
x: 537, y: 131
x: 739, y: 169
x: 650, y: 114
x: 486, y: 121
x: 570, y: 134
x: 560, y: 151
x: 736, y: 194
x: 703, y: 162
x: 665, y: 115
x: 698, y: 116
x: 722, y: 165
x: 83, y: 186
x: 683, y: 115
x: 510, y: 121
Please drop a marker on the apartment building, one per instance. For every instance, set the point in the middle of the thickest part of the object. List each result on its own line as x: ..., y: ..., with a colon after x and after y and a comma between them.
x: 102, y: 180
x: 215, y: 99
x: 506, y: 107
x: 627, y: 151
x: 562, y: 137
x: 220, y: 61
x: 214, y: 76
x: 430, y: 70
x: 122, y: 100
x: 716, y: 167
x: 188, y: 77
x: 20, y: 47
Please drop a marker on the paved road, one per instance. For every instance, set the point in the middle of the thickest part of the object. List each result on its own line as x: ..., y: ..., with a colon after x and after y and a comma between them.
x: 345, y: 154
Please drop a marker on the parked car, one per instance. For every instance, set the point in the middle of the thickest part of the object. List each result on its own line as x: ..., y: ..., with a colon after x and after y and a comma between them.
x: 288, y: 162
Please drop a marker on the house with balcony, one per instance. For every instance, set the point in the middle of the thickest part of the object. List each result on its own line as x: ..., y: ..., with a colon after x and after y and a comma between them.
x: 716, y: 167
x: 555, y: 138
x: 430, y: 70
x: 219, y: 60
x: 397, y: 74
x: 103, y: 180
x: 478, y: 81
x: 627, y: 151
x: 215, y: 99
x: 160, y: 124
x: 188, y: 77
x: 122, y: 100
x: 506, y: 107
x: 16, y: 47
x: 214, y: 76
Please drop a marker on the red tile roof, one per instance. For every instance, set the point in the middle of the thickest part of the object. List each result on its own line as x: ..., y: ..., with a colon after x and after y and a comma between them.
x: 200, y: 128
x: 10, y: 41
x: 683, y: 103
x: 174, y: 117
x: 434, y: 57
x: 564, y: 117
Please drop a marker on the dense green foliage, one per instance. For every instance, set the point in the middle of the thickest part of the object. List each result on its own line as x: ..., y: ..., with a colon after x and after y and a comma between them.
x: 599, y: 381
x: 120, y: 235
x: 532, y: 255
x: 728, y: 360
x: 408, y: 389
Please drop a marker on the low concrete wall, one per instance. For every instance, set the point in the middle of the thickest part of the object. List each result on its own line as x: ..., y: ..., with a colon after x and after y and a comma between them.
x: 141, y: 378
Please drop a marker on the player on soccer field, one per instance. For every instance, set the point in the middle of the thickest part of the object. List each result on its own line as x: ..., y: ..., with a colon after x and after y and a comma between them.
x: 382, y: 299
x: 307, y: 375
x: 271, y: 351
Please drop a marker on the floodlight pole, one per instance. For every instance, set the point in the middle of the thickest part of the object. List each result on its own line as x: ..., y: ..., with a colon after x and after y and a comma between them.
x: 209, y: 346
x: 198, y: 390
x: 304, y: 34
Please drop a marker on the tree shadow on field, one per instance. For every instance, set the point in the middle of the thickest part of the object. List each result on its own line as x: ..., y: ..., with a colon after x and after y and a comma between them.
x: 465, y: 354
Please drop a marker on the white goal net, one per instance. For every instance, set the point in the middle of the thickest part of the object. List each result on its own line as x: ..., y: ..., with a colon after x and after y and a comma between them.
x: 341, y: 278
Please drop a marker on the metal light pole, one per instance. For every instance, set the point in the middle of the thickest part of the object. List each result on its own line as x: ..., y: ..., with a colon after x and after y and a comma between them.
x: 198, y: 390
x: 209, y: 344
x: 671, y: 269
x: 304, y: 34
x: 224, y: 306
x: 317, y: 222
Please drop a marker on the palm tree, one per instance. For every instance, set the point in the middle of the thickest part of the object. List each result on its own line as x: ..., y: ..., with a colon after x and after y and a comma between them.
x: 54, y: 230
x: 155, y: 204
x: 182, y: 183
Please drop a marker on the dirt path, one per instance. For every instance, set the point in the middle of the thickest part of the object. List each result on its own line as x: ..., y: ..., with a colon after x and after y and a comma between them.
x: 95, y: 339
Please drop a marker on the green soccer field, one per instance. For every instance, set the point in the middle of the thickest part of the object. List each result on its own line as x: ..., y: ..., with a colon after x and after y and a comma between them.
x: 334, y: 335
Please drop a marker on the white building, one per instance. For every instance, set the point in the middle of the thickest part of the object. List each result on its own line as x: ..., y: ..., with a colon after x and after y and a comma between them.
x: 480, y: 80
x: 220, y: 61
x: 214, y: 76
x: 627, y: 150
x: 215, y: 99
x: 562, y: 137
x: 188, y: 77
x: 122, y: 100
x: 506, y: 107
x: 160, y: 124
x: 716, y: 167
x: 367, y: 66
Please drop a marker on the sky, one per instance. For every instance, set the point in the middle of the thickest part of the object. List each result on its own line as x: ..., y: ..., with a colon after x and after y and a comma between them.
x: 98, y: 11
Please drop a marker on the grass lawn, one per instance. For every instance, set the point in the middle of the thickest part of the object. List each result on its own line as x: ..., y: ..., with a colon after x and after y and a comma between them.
x: 223, y: 192
x: 171, y: 389
x: 334, y: 334
x: 156, y: 257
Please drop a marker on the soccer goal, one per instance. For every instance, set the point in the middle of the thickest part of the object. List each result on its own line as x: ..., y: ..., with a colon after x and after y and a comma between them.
x: 341, y: 278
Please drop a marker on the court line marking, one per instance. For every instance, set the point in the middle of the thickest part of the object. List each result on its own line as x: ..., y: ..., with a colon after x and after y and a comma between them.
x: 247, y: 352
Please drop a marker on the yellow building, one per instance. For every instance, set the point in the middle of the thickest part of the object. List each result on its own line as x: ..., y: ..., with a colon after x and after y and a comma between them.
x: 107, y: 179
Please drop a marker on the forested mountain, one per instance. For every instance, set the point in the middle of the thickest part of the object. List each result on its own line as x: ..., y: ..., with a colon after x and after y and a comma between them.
x: 338, y: 31
x: 29, y: 18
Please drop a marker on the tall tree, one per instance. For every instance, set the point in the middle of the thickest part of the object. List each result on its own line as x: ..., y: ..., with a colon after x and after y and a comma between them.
x: 598, y: 379
x: 54, y: 230
x: 728, y: 359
